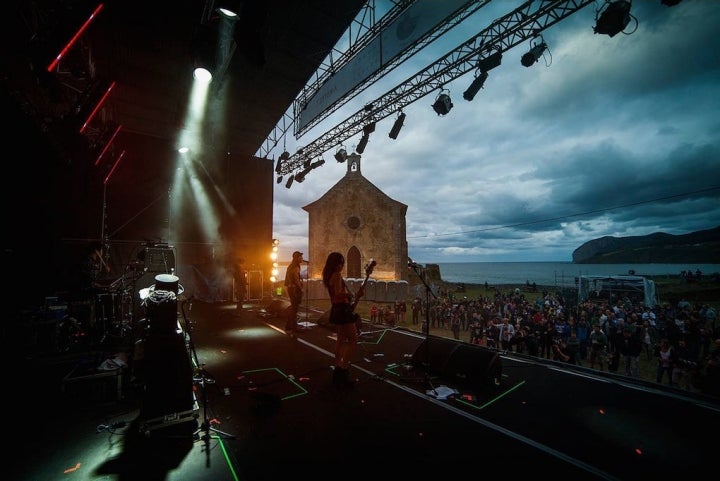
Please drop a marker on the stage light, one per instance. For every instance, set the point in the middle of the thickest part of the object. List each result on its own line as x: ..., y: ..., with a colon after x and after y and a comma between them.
x: 278, y: 165
x: 369, y: 128
x: 300, y: 176
x: 279, y: 179
x: 202, y: 74
x: 533, y: 55
x: 490, y: 62
x: 306, y: 163
x: 475, y: 86
x: 614, y: 18
x: 229, y: 8
x: 397, y: 126
x: 274, y: 257
x: 362, y: 144
x: 442, y: 104
x: 317, y: 163
x: 341, y: 154
x: 289, y: 181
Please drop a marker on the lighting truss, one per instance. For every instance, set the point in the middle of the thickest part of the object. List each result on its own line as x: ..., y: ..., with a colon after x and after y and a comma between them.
x: 366, y: 29
x: 523, y: 23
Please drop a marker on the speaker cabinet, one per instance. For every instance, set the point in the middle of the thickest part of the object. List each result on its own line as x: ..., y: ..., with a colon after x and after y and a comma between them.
x: 467, y: 364
x: 255, y: 285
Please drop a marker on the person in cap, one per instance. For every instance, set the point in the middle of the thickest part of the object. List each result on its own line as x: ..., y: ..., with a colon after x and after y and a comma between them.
x: 294, y: 289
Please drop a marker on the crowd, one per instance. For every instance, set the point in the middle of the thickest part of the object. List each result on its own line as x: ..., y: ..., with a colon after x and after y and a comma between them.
x: 607, y: 334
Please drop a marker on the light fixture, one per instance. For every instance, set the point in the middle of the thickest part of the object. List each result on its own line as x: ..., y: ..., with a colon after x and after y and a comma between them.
x: 442, y: 104
x: 300, y: 176
x: 285, y: 155
x: 362, y: 144
x: 306, y: 162
x: 613, y: 19
x: 475, y: 86
x: 395, y: 130
x: 229, y: 8
x: 289, y: 181
x: 274, y: 272
x: 202, y: 74
x: 369, y: 128
x: 205, y: 52
x: 490, y: 62
x: 533, y: 55
x: 279, y: 179
x: 278, y: 165
x: 341, y: 154
x: 317, y: 163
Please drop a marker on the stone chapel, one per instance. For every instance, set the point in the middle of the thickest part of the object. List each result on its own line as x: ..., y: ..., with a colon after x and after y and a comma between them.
x: 357, y: 219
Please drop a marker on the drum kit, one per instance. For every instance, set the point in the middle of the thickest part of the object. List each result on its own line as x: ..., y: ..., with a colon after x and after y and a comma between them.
x: 120, y: 308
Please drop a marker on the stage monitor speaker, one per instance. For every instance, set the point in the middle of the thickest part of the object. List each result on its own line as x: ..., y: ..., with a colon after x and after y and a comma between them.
x: 475, y: 366
x: 433, y: 354
x: 467, y: 364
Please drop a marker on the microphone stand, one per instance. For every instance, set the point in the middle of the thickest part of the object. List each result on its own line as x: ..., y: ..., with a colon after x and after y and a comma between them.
x: 203, y: 379
x: 307, y: 286
x: 421, y: 273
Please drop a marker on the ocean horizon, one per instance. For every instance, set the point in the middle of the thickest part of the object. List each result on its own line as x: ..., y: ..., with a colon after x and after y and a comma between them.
x: 560, y: 274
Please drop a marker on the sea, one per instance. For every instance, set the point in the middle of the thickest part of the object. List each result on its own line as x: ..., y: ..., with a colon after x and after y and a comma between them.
x: 559, y: 274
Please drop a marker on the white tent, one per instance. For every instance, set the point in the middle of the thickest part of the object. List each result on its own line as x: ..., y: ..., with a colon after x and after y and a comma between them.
x: 637, y: 288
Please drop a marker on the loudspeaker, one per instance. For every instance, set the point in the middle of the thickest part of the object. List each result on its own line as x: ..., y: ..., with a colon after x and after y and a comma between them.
x: 464, y: 363
x: 434, y: 353
x: 255, y: 285
x: 475, y: 365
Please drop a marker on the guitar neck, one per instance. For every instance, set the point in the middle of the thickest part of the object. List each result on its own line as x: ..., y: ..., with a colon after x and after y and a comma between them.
x: 357, y: 300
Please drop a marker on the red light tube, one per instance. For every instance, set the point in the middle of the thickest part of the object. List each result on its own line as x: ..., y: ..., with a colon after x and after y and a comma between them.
x: 72, y: 41
x: 107, y: 145
x: 97, y: 107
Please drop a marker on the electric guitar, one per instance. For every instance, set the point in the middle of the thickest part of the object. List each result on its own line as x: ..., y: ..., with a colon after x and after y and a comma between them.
x: 368, y: 270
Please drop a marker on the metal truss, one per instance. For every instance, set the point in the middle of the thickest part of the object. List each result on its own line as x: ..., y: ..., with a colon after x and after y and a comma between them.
x: 363, y: 30
x: 309, y: 91
x: 523, y: 23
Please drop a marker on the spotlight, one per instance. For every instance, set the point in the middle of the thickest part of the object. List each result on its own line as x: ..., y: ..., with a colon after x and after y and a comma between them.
x: 306, y: 163
x: 614, y: 18
x: 369, y: 128
x: 363, y: 143
x: 397, y: 126
x: 532, y: 56
x: 341, y: 154
x: 279, y: 179
x: 490, y: 62
x: 300, y: 176
x: 278, y: 165
x: 442, y: 104
x: 201, y: 74
x: 475, y: 86
x: 289, y: 181
x: 285, y: 155
x: 317, y: 163
x: 229, y: 8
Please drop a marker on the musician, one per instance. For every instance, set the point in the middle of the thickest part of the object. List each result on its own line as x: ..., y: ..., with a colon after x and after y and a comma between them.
x: 92, y: 269
x: 342, y: 317
x: 294, y: 288
x: 241, y: 282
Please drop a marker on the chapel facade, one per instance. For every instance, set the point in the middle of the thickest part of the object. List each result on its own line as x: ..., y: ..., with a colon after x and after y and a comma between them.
x: 360, y: 221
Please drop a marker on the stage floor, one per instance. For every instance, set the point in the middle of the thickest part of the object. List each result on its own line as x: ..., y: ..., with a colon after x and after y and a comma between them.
x: 265, y: 407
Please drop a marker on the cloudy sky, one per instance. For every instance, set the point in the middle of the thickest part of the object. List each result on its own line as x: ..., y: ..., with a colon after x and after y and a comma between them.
x: 604, y: 136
